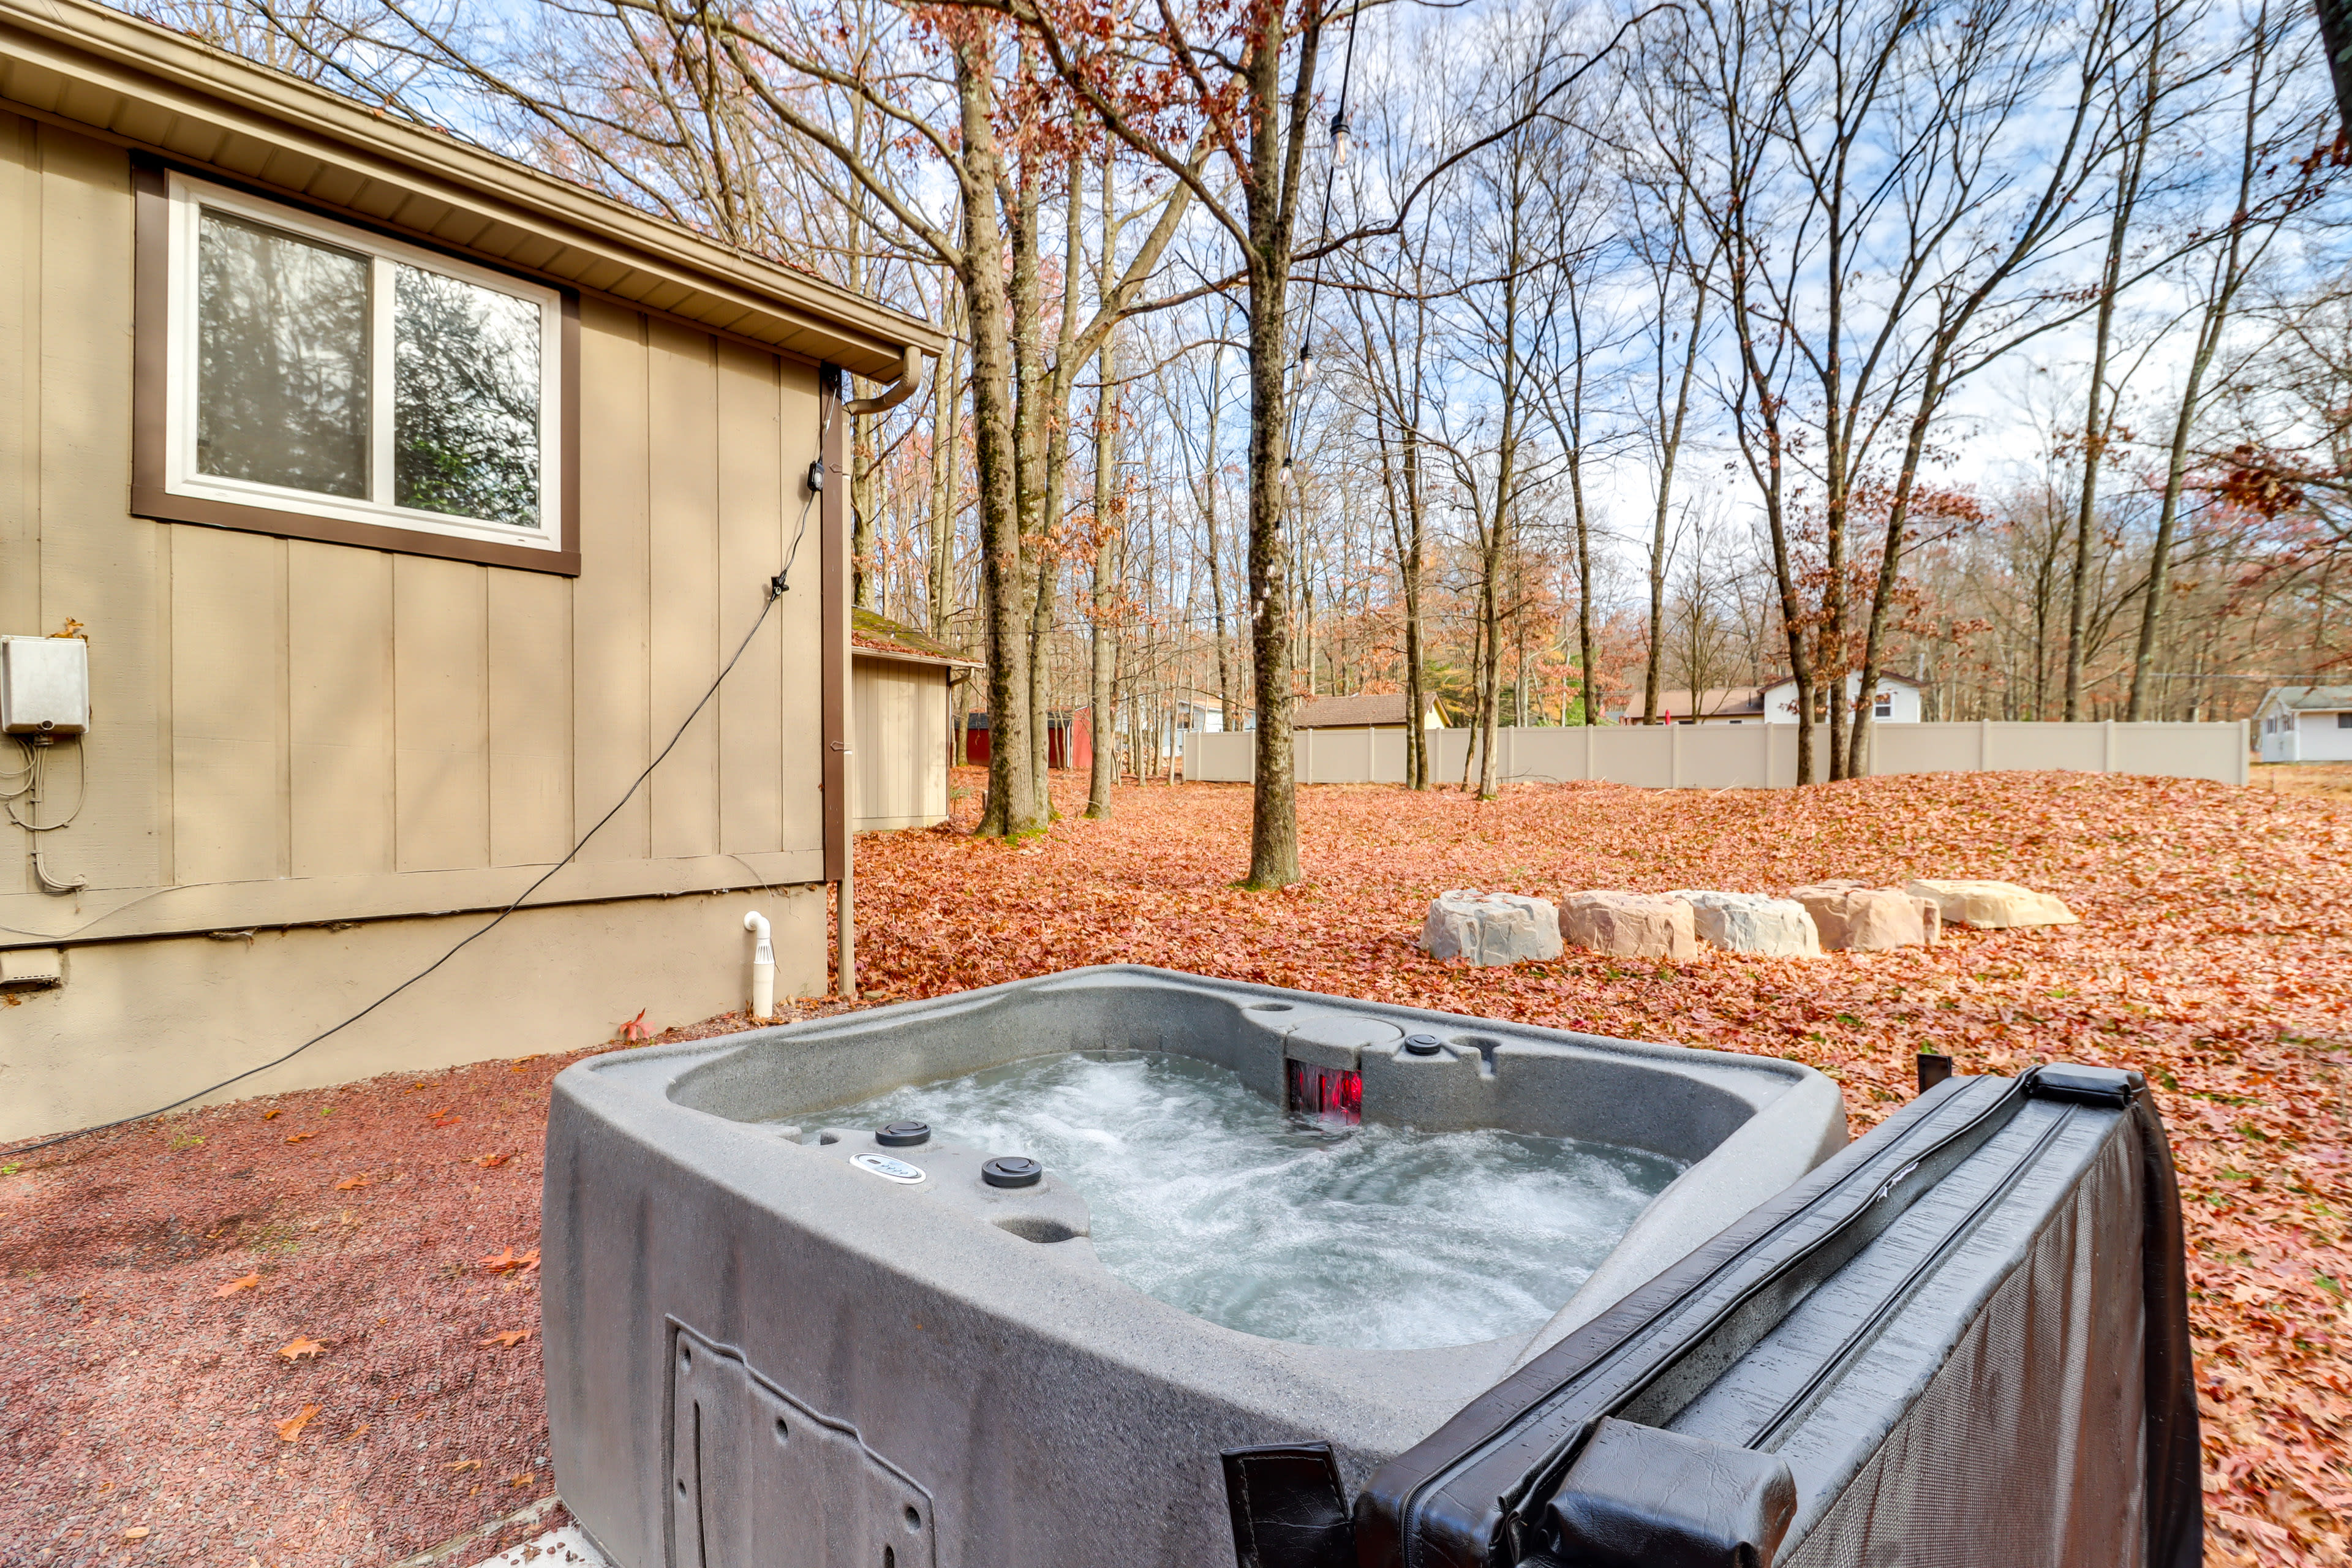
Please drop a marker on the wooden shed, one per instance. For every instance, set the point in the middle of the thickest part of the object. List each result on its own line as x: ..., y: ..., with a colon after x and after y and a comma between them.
x: 409, y: 500
x: 902, y: 683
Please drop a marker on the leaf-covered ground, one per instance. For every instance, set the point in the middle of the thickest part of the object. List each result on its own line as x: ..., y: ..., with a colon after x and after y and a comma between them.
x: 2215, y: 953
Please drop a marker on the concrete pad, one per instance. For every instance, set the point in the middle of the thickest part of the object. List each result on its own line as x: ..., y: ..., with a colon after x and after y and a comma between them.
x: 565, y: 1548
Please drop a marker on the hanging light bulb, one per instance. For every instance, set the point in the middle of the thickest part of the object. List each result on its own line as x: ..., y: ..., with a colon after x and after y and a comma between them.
x: 1338, y: 141
x: 1306, y: 362
x: 1282, y: 480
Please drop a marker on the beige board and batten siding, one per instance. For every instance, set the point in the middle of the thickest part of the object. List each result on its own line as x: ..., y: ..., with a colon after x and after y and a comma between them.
x: 898, y: 773
x: 286, y: 731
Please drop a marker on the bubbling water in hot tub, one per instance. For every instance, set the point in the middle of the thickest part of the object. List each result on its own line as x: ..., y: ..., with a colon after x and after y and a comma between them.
x: 1208, y: 1197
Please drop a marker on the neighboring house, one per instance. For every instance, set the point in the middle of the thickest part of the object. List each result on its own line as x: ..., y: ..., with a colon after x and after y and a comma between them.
x: 1368, y: 711
x: 2304, y: 725
x: 1715, y: 705
x: 1895, y: 699
x: 411, y: 500
x: 900, y: 681
x: 1897, y: 702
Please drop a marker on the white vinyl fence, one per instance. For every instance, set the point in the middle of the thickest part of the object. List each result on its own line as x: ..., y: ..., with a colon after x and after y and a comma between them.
x: 1737, y: 756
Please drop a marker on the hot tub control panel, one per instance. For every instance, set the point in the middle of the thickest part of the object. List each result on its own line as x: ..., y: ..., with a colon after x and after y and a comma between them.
x: 1007, y: 1190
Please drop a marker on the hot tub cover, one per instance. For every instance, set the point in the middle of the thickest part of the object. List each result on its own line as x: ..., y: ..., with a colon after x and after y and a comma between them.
x: 1962, y: 1341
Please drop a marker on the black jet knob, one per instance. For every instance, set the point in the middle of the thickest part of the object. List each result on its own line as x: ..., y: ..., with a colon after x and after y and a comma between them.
x: 1423, y: 1045
x: 904, y: 1134
x: 1011, y: 1170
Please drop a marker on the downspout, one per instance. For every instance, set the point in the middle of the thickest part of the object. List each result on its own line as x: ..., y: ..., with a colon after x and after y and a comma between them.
x: 840, y: 859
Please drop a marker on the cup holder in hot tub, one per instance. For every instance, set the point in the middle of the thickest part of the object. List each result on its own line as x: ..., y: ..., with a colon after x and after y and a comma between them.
x: 1036, y: 1227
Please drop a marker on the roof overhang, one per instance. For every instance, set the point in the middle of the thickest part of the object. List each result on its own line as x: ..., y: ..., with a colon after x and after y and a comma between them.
x: 894, y: 655
x: 80, y: 65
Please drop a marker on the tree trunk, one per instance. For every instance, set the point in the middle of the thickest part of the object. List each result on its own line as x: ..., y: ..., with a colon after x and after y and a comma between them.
x: 2096, y: 423
x: 2229, y: 274
x: 947, y: 443
x: 1890, y: 560
x: 1110, y: 508
x: 1416, y: 744
x: 1012, y: 807
x: 1270, y: 195
x: 1671, y: 448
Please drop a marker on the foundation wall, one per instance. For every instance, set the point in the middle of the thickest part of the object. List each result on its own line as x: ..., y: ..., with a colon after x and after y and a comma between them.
x: 137, y: 1024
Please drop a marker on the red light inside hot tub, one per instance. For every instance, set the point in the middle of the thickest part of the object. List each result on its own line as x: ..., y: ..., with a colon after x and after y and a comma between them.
x: 1326, y: 1092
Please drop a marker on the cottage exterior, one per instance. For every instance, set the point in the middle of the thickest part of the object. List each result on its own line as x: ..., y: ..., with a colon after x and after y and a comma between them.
x: 369, y: 649
x: 2304, y: 725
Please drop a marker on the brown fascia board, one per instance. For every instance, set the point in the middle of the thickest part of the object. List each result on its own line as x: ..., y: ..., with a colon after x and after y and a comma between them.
x: 139, y: 85
x: 895, y: 656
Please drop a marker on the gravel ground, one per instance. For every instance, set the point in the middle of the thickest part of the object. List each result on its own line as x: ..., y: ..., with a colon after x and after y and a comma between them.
x: 176, y: 1296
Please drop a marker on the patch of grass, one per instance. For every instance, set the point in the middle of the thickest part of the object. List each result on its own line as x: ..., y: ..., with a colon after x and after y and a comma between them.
x: 277, y: 1238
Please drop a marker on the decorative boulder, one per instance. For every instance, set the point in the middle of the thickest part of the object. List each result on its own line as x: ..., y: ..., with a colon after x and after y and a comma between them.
x: 1490, y: 927
x: 1851, y: 916
x: 1631, y: 925
x: 1993, y: 905
x: 1750, y: 922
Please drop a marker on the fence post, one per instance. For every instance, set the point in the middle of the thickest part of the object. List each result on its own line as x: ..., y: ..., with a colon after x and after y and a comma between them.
x: 1673, y: 755
x: 1984, y: 745
x: 2108, y: 748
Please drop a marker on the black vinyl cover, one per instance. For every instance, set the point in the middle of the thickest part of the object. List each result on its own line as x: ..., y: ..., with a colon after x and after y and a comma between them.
x: 1963, y: 1341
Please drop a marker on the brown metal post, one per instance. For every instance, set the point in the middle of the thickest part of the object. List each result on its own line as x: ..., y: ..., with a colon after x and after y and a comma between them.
x: 834, y: 509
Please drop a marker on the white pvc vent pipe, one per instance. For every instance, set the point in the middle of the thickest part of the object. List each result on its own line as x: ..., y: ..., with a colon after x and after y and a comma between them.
x: 763, y: 967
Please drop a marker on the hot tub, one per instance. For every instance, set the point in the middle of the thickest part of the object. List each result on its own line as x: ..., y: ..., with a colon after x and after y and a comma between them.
x: 775, y: 1335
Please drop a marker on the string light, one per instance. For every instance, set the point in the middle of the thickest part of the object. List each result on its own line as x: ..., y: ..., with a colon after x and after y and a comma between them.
x: 1282, y: 480
x: 1307, y: 361
x: 1339, y: 134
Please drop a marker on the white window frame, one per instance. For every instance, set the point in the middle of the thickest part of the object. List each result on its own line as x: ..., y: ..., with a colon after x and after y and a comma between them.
x: 189, y: 199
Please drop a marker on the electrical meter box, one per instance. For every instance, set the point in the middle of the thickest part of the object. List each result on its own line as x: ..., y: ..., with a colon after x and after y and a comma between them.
x: 44, y: 686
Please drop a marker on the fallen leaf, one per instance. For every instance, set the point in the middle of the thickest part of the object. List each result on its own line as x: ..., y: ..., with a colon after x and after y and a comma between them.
x: 251, y: 1283
x: 523, y: 1480
x: 351, y: 1183
x: 459, y: 1467
x: 300, y: 1347
x: 299, y: 1136
x: 272, y: 1115
x: 509, y: 1258
x: 139, y: 1532
x: 491, y: 1161
x: 510, y: 1338
x: 289, y: 1429
x: 636, y: 1028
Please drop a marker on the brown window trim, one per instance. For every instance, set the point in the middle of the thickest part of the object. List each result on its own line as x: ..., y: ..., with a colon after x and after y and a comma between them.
x: 149, y: 402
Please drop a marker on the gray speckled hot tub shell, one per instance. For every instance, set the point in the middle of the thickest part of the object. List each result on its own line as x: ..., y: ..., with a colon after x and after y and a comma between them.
x: 757, y: 1352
